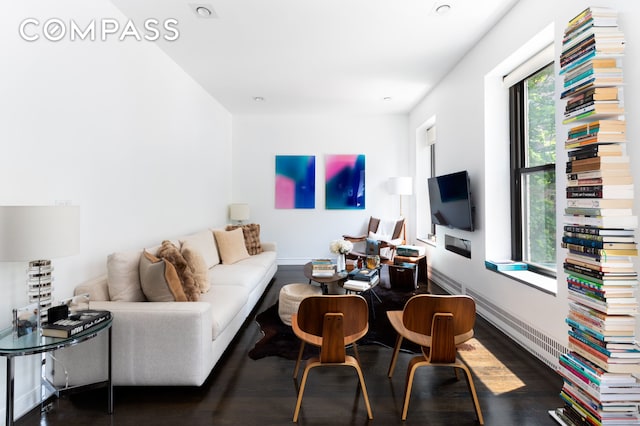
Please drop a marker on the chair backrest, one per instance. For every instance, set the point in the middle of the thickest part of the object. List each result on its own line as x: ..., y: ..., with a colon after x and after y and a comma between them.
x: 419, y: 311
x: 374, y: 224
x: 354, y: 308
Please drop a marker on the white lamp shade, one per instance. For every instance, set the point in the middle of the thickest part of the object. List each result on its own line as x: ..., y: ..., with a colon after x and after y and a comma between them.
x: 239, y: 211
x: 38, y: 232
x: 401, y: 185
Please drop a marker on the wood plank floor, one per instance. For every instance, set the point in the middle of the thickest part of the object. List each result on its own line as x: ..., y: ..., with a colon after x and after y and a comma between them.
x: 514, y: 388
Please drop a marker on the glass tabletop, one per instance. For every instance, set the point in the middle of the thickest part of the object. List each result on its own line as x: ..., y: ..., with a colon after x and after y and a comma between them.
x: 34, y: 343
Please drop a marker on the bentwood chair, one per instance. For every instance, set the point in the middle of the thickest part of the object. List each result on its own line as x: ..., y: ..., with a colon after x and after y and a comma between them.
x: 385, y: 235
x: 438, y: 323
x: 331, y: 322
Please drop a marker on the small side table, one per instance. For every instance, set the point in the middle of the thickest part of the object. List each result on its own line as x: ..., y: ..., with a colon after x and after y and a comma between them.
x: 420, y: 261
x: 34, y: 343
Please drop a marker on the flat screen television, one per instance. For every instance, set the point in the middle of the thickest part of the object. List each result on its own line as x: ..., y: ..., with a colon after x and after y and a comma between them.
x: 450, y: 201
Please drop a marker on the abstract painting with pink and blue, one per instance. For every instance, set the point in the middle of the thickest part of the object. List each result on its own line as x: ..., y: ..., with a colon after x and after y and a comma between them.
x: 295, y: 181
x: 344, y: 175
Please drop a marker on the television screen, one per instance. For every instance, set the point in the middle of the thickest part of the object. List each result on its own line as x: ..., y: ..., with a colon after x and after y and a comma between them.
x: 450, y: 201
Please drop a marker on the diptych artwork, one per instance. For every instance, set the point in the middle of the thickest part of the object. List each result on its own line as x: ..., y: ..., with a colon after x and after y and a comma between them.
x: 344, y: 177
x: 295, y: 181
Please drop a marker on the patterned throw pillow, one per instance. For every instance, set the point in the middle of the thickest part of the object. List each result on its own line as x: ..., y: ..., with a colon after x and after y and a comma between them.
x: 251, y: 233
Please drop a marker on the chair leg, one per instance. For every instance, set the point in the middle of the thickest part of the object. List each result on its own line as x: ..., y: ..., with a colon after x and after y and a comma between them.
x: 457, y: 373
x: 309, y: 366
x: 394, y: 357
x: 411, y: 371
x: 297, y: 367
x: 364, y: 390
x: 355, y: 352
x: 472, y: 390
x: 315, y: 363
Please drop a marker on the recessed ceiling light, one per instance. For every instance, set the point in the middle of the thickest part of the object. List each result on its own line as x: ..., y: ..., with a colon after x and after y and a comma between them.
x: 258, y: 98
x: 443, y: 9
x: 204, y: 11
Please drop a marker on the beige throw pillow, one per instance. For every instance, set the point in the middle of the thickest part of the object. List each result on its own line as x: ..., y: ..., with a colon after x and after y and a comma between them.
x: 251, y: 233
x: 198, y: 266
x: 231, y: 246
x: 159, y: 280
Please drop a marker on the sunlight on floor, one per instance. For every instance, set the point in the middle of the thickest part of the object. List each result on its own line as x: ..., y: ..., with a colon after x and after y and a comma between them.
x: 488, y: 369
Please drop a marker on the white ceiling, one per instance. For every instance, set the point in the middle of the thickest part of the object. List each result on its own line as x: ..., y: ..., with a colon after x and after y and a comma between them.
x: 318, y: 56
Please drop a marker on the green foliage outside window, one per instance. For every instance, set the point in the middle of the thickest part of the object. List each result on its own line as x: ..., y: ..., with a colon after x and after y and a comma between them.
x: 539, y: 198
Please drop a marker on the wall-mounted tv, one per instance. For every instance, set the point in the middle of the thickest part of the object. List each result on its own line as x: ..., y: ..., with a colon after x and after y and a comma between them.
x: 450, y: 201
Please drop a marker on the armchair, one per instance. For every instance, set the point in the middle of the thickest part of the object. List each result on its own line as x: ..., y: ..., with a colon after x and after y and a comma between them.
x: 387, y: 234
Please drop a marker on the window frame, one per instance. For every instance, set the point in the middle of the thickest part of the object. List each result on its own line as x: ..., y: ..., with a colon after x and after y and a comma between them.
x: 518, y: 169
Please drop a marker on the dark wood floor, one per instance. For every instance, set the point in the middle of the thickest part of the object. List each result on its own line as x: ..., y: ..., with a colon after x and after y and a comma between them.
x: 513, y: 387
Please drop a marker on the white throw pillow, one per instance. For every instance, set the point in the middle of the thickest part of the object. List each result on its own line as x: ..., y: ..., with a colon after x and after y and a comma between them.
x: 205, y: 245
x: 123, y: 277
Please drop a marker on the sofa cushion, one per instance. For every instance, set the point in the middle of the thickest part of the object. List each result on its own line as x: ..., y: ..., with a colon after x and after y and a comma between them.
x: 239, y: 274
x: 226, y: 302
x: 123, y: 278
x: 231, y: 246
x: 264, y: 260
x: 170, y: 252
x: 251, y: 233
x: 198, y: 266
x: 204, y: 244
x: 159, y: 280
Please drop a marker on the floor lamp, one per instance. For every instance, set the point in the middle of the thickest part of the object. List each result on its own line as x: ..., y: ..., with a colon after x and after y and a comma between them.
x: 401, y: 185
x: 36, y: 234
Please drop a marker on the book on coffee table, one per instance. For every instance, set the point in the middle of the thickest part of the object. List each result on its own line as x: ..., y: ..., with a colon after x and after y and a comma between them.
x: 363, y: 274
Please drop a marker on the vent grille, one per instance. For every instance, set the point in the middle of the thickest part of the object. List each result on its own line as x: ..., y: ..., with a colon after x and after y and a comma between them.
x: 530, y: 338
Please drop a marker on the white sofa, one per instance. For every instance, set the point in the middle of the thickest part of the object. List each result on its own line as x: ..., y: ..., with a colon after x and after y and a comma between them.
x: 166, y: 343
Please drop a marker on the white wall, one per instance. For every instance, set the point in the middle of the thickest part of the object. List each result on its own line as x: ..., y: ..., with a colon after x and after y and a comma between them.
x: 116, y: 128
x: 303, y: 234
x: 458, y: 101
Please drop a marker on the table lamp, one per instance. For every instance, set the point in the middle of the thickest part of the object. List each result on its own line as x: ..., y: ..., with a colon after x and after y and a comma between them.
x: 37, y: 234
x: 239, y: 212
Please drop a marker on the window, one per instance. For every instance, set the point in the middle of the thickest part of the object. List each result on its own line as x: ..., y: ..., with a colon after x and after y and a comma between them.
x: 425, y: 163
x: 431, y: 143
x: 533, y: 156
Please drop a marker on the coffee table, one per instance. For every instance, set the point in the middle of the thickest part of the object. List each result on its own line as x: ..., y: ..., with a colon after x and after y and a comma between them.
x: 338, y: 277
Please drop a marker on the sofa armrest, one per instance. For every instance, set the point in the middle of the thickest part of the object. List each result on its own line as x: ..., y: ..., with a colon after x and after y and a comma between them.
x: 153, y: 343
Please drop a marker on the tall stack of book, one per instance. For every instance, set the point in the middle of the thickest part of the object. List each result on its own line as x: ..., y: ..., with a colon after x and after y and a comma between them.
x: 600, y: 384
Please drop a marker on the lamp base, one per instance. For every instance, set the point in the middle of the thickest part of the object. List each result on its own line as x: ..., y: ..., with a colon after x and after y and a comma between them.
x: 39, y: 287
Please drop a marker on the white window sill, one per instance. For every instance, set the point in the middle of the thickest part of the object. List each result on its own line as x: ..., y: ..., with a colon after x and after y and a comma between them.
x: 532, y: 279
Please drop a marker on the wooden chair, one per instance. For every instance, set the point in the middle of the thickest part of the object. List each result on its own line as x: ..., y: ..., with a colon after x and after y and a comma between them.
x: 391, y: 242
x: 331, y: 322
x: 438, y: 323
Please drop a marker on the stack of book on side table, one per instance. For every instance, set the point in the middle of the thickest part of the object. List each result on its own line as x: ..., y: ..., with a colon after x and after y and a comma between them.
x: 362, y: 279
x: 601, y: 368
x: 76, y: 323
x: 322, y: 268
